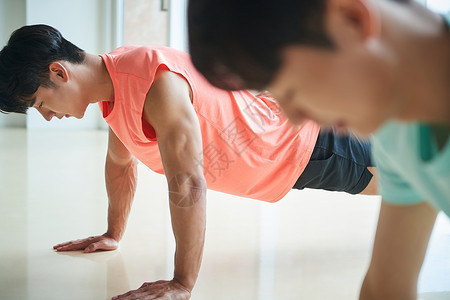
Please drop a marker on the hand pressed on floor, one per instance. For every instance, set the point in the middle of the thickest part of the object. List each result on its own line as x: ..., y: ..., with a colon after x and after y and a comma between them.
x: 90, y: 244
x: 161, y: 290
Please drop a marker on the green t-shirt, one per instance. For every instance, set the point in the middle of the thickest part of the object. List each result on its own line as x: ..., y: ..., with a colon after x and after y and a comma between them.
x: 413, y: 161
x: 411, y: 166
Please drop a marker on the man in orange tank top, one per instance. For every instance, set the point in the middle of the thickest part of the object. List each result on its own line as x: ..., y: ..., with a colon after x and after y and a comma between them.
x: 162, y: 112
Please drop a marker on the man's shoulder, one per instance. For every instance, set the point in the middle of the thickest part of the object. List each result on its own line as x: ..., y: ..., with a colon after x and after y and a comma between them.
x: 130, y: 54
x: 142, y: 61
x: 132, y: 60
x: 149, y: 50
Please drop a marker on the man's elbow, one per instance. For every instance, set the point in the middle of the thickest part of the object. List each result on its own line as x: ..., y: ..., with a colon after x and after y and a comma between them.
x: 124, y: 161
x: 186, y: 189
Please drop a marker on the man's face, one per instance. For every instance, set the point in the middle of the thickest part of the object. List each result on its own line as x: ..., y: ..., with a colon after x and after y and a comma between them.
x: 353, y: 85
x: 59, y: 102
x: 341, y: 88
x: 65, y: 99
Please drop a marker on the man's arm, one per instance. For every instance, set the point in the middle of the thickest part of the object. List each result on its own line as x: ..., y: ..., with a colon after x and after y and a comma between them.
x: 169, y: 110
x: 400, y: 245
x: 120, y: 178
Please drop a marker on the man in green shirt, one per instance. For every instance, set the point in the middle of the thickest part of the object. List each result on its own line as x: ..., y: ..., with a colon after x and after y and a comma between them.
x: 376, y: 66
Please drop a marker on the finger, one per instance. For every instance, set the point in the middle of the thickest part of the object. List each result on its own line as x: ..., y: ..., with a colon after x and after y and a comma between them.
x: 70, y: 248
x: 149, y: 290
x: 71, y: 243
x: 93, y: 247
x: 62, y: 245
x: 76, y: 245
x: 161, y: 289
x: 101, y: 245
x: 126, y: 296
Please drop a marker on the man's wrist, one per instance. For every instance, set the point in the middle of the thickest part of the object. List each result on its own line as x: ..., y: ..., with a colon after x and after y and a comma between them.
x: 112, y: 235
x: 185, y: 283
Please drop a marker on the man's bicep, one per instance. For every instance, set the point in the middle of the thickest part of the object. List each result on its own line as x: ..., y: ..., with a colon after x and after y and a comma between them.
x: 167, y: 101
x: 169, y: 110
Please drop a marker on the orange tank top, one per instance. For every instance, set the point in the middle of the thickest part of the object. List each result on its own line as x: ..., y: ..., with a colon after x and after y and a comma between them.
x: 249, y: 147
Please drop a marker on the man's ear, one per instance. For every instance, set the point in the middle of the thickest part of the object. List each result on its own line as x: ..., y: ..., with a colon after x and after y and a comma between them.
x: 350, y: 21
x: 58, y: 72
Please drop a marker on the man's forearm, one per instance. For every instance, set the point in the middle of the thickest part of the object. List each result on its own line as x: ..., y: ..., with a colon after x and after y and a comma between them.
x: 188, y: 211
x: 121, y: 186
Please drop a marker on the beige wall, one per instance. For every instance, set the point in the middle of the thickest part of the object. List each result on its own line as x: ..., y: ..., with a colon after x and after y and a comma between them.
x: 145, y: 23
x: 12, y: 17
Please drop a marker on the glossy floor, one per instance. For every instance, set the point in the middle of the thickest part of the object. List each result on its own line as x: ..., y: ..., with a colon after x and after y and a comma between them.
x: 310, y: 245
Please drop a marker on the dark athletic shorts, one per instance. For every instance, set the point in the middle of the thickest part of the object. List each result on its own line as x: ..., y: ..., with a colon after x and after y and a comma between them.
x: 338, y: 163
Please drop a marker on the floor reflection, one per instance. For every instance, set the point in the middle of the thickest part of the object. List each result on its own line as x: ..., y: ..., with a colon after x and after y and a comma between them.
x: 311, y: 245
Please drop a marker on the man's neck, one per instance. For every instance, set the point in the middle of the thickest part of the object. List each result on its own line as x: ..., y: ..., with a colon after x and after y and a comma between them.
x: 421, y: 41
x: 96, y: 79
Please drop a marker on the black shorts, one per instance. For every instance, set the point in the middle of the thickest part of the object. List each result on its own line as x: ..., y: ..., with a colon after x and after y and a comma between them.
x: 338, y: 163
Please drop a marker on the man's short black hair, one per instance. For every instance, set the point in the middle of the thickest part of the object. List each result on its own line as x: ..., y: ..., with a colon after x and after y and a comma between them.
x: 236, y: 43
x: 25, y: 61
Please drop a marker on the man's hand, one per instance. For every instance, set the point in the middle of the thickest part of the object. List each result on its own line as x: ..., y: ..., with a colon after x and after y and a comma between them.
x: 90, y: 244
x: 162, y: 290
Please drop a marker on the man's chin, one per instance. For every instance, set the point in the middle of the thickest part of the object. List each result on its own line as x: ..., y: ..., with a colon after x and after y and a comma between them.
x: 80, y: 116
